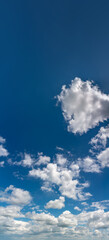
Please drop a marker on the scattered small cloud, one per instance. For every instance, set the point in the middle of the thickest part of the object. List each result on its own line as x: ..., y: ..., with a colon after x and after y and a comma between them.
x: 56, y: 204
x: 100, y: 140
x: 3, y: 151
x: 77, y: 208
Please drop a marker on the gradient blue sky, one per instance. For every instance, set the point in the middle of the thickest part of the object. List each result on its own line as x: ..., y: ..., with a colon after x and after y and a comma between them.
x: 43, y: 46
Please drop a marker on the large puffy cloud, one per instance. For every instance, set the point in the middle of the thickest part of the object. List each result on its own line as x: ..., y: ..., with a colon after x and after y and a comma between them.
x: 46, y: 218
x: 64, y: 177
x: 10, y: 221
x: 66, y: 220
x: 11, y: 211
x: 56, y: 204
x: 83, y: 105
x: 15, y: 196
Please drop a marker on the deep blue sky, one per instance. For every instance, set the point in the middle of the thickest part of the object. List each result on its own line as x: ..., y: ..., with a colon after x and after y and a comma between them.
x: 44, y: 45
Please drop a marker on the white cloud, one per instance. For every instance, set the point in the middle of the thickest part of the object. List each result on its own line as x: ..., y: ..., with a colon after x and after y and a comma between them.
x: 59, y: 148
x: 49, y: 173
x: 101, y: 204
x: 76, y: 169
x: 83, y: 105
x: 103, y: 158
x: 84, y: 225
x: 64, y: 178
x: 66, y: 220
x: 2, y: 140
x: 56, y: 204
x: 61, y: 160
x: 15, y: 196
x: 27, y: 161
x: 45, y: 218
x: 3, y: 151
x: 89, y: 164
x: 2, y: 164
x: 47, y: 187
x: 11, y: 211
x: 94, y: 165
x: 42, y: 160
x: 100, y: 140
x: 77, y: 208
x: 84, y: 203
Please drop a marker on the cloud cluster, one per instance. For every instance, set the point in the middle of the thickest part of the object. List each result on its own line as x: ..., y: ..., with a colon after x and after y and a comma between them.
x: 96, y: 164
x: 85, y: 225
x: 28, y: 161
x: 83, y: 105
x: 63, y: 176
x: 89, y: 164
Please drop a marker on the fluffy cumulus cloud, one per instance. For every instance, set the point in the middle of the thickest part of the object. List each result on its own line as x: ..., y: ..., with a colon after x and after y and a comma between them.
x: 94, y: 164
x: 64, y: 177
x: 83, y: 105
x: 15, y: 196
x: 89, y: 164
x: 56, y: 204
x: 60, y: 159
x: 28, y: 161
x: 12, y: 220
x: 84, y: 225
x: 42, y: 159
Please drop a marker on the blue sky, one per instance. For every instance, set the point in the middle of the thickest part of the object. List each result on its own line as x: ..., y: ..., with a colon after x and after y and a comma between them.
x: 54, y: 104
